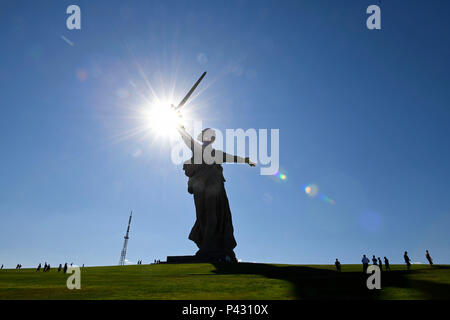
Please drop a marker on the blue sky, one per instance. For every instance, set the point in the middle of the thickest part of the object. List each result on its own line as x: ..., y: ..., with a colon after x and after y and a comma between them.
x: 364, y: 115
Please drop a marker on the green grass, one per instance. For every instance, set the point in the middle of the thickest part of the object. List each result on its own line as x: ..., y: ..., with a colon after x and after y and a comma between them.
x: 228, y: 281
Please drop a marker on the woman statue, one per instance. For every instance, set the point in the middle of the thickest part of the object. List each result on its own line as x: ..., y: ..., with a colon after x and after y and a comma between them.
x: 213, y: 229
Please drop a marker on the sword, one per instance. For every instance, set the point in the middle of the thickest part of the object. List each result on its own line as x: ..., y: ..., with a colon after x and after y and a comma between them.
x: 189, y: 93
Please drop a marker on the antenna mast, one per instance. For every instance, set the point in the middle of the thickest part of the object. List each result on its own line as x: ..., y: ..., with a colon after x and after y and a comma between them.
x: 125, y: 243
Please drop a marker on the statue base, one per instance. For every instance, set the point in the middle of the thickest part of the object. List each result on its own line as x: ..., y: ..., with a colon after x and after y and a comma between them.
x: 201, y: 259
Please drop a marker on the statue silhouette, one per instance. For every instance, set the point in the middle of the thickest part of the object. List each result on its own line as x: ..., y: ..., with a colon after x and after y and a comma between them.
x: 213, y: 228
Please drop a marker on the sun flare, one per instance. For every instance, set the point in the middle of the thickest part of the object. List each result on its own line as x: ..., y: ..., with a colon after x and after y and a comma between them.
x: 162, y: 119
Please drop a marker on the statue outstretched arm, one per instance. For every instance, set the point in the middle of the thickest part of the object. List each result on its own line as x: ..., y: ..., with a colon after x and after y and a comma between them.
x: 235, y: 159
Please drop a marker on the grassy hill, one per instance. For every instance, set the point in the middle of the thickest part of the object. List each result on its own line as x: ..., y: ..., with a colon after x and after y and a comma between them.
x: 228, y: 281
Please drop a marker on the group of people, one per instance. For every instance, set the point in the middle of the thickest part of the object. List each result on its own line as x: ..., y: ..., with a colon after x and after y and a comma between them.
x: 408, y: 260
x: 377, y: 262
x: 46, y: 267
x: 157, y: 261
x: 139, y: 262
x: 19, y: 266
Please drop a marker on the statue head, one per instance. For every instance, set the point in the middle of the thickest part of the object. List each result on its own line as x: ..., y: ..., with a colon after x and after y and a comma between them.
x: 207, y: 136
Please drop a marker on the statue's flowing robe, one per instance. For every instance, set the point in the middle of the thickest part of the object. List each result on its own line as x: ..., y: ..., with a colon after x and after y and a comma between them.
x: 213, y: 228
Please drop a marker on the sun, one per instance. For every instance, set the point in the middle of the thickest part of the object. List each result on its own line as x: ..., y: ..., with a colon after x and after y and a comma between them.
x: 162, y: 119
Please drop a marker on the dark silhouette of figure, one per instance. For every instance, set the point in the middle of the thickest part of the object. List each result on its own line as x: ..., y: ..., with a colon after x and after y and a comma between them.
x: 39, y: 267
x: 65, y: 267
x: 1, y: 268
x: 427, y: 255
x: 338, y: 265
x: 374, y: 260
x: 83, y: 265
x: 365, y: 262
x: 48, y: 267
x: 380, y: 264
x: 213, y: 228
x: 407, y: 260
x: 60, y: 267
x: 386, y: 264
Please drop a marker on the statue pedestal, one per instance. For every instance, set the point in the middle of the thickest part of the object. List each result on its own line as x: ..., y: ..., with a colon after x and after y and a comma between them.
x: 199, y: 259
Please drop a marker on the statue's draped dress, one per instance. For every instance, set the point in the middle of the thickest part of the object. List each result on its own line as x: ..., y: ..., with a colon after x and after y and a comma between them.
x: 213, y: 228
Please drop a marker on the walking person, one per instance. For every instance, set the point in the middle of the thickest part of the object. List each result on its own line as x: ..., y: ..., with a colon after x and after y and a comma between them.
x: 338, y: 265
x: 386, y: 264
x: 39, y: 267
x: 380, y: 264
x: 374, y: 260
x: 407, y: 260
x: 427, y: 255
x: 365, y: 261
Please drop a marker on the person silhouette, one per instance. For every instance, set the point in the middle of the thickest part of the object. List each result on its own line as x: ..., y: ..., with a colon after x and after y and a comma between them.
x: 380, y: 264
x: 365, y: 261
x: 407, y: 260
x: 386, y: 264
x: 213, y: 228
x: 65, y: 267
x: 338, y: 265
x: 374, y: 260
x: 1, y: 268
x: 39, y: 267
x: 427, y: 255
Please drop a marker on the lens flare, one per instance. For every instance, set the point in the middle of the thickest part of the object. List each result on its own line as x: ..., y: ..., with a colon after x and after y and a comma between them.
x: 281, y: 176
x: 326, y: 199
x: 311, y: 190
